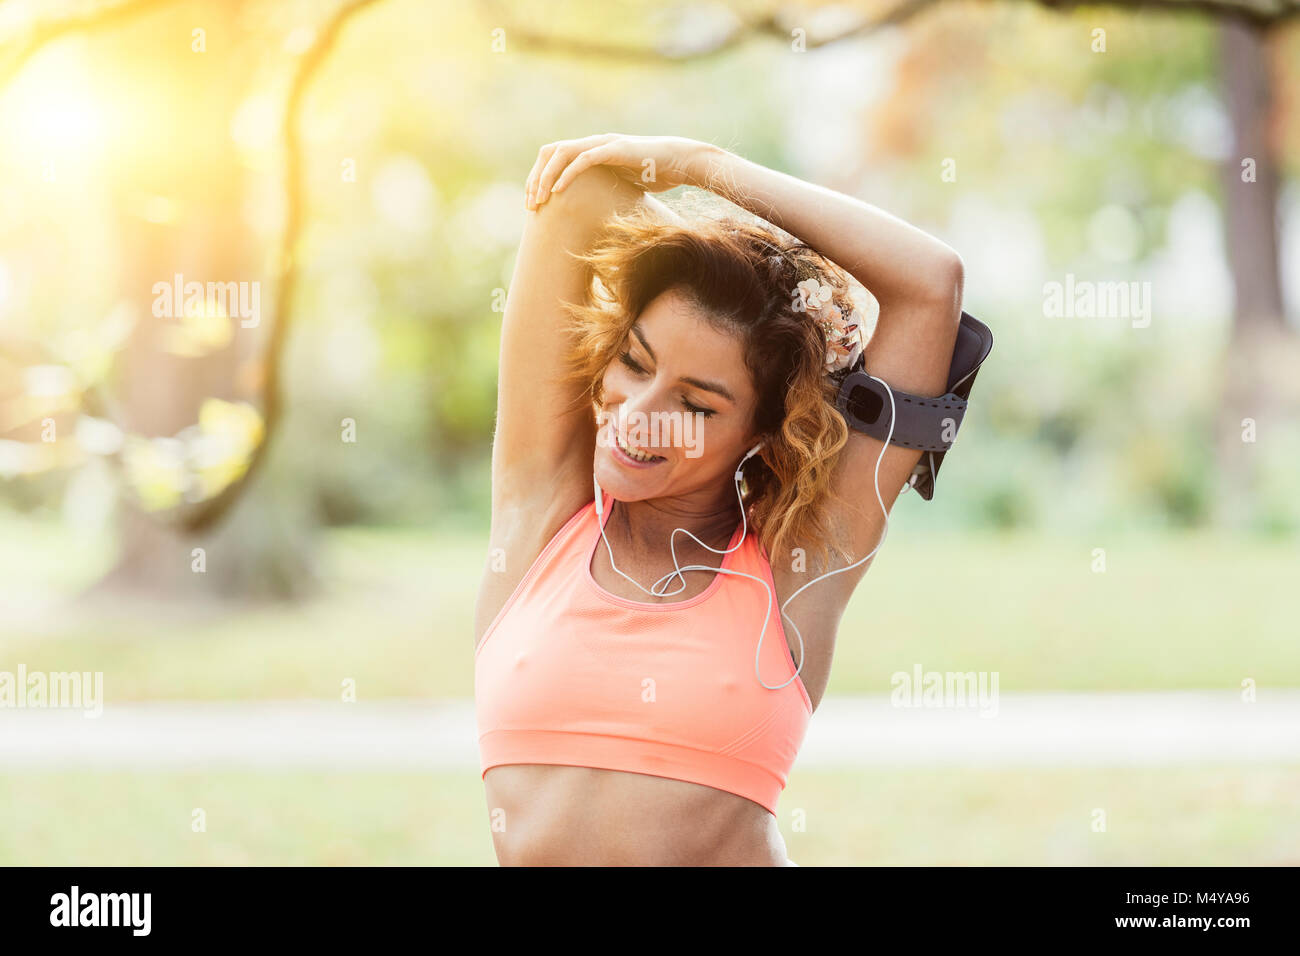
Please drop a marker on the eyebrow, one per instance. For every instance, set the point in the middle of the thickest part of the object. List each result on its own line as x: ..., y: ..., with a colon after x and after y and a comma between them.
x: 715, y: 387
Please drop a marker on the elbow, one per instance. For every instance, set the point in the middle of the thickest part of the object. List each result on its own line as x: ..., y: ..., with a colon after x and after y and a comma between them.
x: 947, y: 283
x: 951, y: 274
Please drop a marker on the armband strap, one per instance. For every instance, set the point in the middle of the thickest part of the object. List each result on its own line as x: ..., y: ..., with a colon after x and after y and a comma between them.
x: 929, y: 424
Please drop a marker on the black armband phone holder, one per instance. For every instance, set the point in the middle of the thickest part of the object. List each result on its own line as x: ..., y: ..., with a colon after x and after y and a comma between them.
x: 928, y: 424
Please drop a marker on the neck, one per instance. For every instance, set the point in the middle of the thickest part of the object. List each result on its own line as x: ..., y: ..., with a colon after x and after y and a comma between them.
x: 648, y: 525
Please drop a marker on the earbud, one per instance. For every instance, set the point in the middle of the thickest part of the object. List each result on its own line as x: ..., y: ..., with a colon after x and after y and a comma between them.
x: 600, y: 502
x: 748, y: 455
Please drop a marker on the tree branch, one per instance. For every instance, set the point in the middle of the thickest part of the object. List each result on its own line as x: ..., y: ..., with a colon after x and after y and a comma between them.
x: 52, y: 29
x: 1262, y: 13
x: 775, y: 24
x: 779, y: 24
x: 207, y: 513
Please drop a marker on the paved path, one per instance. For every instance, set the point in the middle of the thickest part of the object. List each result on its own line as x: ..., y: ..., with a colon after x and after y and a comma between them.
x: 1028, y: 729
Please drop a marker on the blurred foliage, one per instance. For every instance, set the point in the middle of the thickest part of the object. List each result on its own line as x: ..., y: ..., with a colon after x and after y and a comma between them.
x: 416, y: 152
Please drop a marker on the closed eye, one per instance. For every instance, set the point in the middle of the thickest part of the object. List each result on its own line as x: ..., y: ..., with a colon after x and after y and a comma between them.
x: 635, y: 367
x: 626, y: 359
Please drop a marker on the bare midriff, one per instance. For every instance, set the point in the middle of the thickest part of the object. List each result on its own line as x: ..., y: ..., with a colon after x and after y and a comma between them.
x: 548, y: 815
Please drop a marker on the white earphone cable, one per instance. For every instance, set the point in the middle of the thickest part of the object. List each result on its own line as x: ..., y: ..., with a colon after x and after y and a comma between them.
x: 677, y: 569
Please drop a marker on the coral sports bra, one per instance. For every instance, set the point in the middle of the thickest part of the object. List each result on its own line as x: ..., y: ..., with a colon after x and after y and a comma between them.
x: 570, y: 674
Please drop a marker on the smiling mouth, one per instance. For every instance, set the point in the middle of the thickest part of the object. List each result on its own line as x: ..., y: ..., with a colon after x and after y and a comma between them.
x: 641, y: 456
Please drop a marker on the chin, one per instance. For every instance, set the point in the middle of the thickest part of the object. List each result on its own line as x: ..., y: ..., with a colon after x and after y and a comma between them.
x: 625, y: 483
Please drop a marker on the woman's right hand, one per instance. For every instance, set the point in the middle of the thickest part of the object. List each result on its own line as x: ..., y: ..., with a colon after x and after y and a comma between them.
x: 654, y: 163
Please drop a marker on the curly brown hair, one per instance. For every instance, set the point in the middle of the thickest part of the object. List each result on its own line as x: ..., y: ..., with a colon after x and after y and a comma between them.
x: 743, y: 277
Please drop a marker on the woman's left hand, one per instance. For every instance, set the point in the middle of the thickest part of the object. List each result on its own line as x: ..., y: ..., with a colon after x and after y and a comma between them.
x: 655, y: 163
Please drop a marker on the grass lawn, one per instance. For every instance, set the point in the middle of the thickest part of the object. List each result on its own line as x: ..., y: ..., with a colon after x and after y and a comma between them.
x: 1192, y: 817
x: 396, y: 616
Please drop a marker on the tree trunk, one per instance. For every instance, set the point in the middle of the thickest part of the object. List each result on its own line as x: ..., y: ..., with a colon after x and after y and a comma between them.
x: 263, y: 547
x: 1255, y: 377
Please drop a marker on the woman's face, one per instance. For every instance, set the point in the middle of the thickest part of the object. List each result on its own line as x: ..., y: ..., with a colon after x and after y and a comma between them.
x: 678, y: 393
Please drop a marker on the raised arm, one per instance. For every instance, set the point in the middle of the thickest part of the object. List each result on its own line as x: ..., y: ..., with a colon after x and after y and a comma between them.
x: 545, y: 432
x: 918, y: 282
x: 916, y: 279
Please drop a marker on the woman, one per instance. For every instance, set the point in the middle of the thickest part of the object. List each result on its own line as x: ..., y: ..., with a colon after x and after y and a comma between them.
x: 628, y: 712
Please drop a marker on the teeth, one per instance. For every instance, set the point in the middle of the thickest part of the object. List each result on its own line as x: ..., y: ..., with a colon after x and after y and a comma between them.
x: 638, y: 455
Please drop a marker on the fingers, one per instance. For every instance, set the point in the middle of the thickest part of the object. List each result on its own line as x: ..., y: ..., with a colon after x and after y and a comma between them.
x: 543, y: 156
x: 550, y: 162
x: 554, y: 166
x: 584, y: 160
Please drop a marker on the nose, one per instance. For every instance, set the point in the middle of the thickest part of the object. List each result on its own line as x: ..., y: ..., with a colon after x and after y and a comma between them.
x: 644, y: 401
x: 636, y: 413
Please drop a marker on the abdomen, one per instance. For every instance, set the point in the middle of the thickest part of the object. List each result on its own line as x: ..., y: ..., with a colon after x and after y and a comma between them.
x: 550, y: 815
